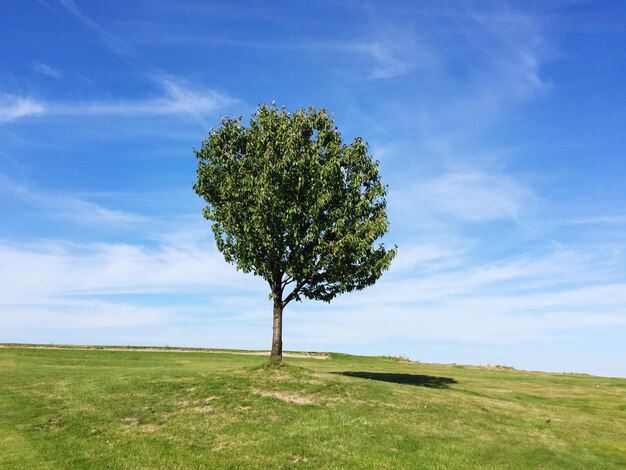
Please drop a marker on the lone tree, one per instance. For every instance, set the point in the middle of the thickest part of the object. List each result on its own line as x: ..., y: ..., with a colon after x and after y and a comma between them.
x: 291, y: 203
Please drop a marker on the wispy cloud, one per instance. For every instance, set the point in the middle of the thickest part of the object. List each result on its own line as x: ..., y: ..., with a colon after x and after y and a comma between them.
x: 50, y: 284
x: 381, y: 57
x: 606, y: 219
x: 119, y: 47
x: 81, y: 314
x: 528, y: 298
x: 45, y: 4
x: 467, y: 195
x: 428, y: 256
x: 499, y: 67
x: 116, y: 292
x: 389, y: 59
x: 482, y: 321
x: 39, y: 271
x: 46, y: 69
x: 542, y: 272
x: 177, y: 98
x: 519, y: 47
x: 511, y: 48
x: 16, y: 107
x: 67, y: 206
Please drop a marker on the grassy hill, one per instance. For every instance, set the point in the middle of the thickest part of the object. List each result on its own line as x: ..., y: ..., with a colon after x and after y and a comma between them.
x: 130, y: 408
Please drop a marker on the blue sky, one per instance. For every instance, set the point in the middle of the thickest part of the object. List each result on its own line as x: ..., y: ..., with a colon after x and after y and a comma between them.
x: 499, y: 128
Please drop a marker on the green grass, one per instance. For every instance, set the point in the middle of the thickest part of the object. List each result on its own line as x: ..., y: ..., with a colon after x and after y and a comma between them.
x: 71, y: 408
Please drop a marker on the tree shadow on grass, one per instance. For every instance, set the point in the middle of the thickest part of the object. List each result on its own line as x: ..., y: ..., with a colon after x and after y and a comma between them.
x: 407, y: 379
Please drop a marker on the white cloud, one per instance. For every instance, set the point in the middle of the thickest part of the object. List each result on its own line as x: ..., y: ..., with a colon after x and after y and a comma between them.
x: 52, y: 269
x: 605, y: 219
x: 51, y: 285
x: 178, y: 98
x: 425, y: 256
x: 16, y: 107
x: 381, y: 323
x: 389, y: 60
x: 48, y: 286
x: 470, y: 196
x: 75, y: 314
x: 55, y: 285
x: 518, y: 277
x: 119, y: 47
x: 45, y: 4
x: 46, y: 69
x: 532, y: 297
x: 67, y: 206
x: 500, y: 67
x: 529, y: 298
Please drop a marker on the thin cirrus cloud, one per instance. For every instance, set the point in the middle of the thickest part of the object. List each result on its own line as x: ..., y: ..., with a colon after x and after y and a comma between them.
x: 17, y: 107
x: 512, y: 72
x: 178, y: 98
x: 427, y: 256
x: 477, y: 322
x: 466, y: 195
x: 519, y: 50
x: 67, y: 206
x: 49, y: 288
x: 512, y: 300
x: 388, y: 61
x: 47, y: 70
x: 539, y: 272
x: 53, y: 269
x: 117, y: 46
x: 605, y: 219
x: 81, y: 314
x: 507, y: 56
x: 525, y: 298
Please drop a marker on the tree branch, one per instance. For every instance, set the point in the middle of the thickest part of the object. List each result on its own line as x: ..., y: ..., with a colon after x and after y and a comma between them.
x: 288, y: 280
x: 294, y: 292
x: 301, y: 284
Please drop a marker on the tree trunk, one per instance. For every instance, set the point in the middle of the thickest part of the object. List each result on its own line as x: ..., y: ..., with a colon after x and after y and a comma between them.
x: 276, y: 355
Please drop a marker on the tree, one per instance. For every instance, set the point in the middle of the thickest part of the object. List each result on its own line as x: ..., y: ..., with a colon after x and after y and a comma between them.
x: 289, y: 202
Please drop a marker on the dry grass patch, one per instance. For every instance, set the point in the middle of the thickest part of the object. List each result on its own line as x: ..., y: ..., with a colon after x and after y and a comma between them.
x: 203, y: 409
x: 222, y: 443
x: 285, y: 396
x: 149, y: 428
x: 196, y: 402
x: 131, y: 426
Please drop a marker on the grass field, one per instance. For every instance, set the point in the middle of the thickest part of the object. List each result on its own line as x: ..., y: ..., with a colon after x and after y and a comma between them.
x: 73, y: 408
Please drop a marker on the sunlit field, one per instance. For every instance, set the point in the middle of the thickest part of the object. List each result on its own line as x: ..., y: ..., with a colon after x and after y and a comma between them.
x: 132, y: 408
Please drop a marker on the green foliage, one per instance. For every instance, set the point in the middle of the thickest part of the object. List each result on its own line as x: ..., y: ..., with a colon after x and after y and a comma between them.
x: 290, y: 202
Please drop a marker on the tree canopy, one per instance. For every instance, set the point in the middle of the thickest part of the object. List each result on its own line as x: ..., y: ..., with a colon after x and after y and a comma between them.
x: 290, y: 202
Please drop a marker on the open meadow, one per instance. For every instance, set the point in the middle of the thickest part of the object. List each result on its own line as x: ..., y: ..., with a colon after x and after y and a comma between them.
x: 134, y: 409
